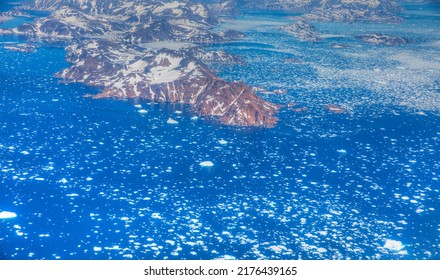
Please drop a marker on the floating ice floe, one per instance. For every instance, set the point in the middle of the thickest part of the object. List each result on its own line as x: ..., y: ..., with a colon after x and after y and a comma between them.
x: 207, y: 164
x: 393, y: 245
x: 139, y: 106
x: 227, y: 257
x: 97, y: 249
x: 7, y: 215
x: 342, y: 151
x: 322, y: 250
x: 171, y: 121
x: 25, y: 153
x: 142, y: 111
x: 72, y: 195
x: 222, y: 142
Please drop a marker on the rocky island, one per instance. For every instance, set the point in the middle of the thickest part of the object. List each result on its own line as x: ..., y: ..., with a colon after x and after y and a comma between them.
x: 303, y: 30
x: 108, y: 46
x: 382, y: 39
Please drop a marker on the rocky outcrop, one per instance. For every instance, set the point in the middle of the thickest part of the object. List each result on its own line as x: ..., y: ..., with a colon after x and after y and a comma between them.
x: 223, y: 7
x: 335, y: 109
x: 382, y: 39
x: 303, y: 31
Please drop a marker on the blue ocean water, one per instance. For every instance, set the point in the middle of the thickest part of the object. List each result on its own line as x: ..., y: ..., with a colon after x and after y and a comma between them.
x: 95, y: 179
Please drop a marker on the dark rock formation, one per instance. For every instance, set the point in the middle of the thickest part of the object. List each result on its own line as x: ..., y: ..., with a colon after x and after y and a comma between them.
x: 303, y: 31
x: 335, y: 109
x: 381, y: 39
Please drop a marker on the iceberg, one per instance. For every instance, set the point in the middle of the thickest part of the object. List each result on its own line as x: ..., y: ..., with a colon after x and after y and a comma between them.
x: 393, y: 245
x: 227, y: 257
x: 7, y: 215
x: 206, y: 164
x: 171, y: 121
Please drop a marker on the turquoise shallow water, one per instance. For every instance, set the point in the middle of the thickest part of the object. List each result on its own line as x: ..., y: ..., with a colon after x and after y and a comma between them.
x: 95, y: 179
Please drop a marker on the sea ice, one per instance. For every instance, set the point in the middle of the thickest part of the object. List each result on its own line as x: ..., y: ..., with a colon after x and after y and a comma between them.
x: 142, y: 111
x: 97, y: 249
x: 222, y: 142
x: 393, y: 245
x: 171, y: 121
x: 7, y: 215
x: 206, y: 164
x: 227, y: 257
x: 322, y: 250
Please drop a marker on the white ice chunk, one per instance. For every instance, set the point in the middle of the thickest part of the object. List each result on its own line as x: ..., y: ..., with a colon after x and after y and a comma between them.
x: 227, y: 257
x: 393, y: 245
x: 171, y: 121
x: 206, y: 164
x: 7, y: 215
x: 72, y: 195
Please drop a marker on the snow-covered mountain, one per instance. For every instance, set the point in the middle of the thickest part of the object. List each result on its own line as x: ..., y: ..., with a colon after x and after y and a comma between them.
x: 165, y: 76
x: 68, y: 23
x: 108, y: 47
x: 141, y: 21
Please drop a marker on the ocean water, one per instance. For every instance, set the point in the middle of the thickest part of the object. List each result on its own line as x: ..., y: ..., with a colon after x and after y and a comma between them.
x: 96, y: 179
